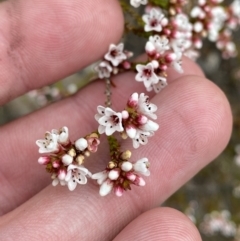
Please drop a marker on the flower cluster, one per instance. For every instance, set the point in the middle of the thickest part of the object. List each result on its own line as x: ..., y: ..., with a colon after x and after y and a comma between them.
x: 120, y: 174
x: 64, y: 159
x: 218, y: 223
x: 174, y: 34
x: 133, y: 122
x: 114, y: 61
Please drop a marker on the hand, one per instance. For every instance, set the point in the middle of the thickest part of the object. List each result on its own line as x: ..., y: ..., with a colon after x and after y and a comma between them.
x: 43, y: 41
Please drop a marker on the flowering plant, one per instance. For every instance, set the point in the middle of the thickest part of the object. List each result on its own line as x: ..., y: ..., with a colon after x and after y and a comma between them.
x: 171, y: 33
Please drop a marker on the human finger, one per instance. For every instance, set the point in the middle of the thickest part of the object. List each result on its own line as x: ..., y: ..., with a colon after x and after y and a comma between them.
x: 195, y: 120
x: 43, y: 41
x: 20, y: 135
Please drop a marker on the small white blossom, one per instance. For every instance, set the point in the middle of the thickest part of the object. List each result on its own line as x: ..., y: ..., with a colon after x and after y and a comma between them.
x: 141, y: 166
x: 141, y: 138
x: 137, y: 3
x: 192, y: 54
x: 63, y: 135
x: 104, y: 70
x: 158, y: 44
x: 76, y: 175
x: 150, y: 126
x: 218, y: 222
x: 235, y: 7
x: 110, y: 122
x: 160, y: 85
x: 197, y: 12
x: 49, y: 144
x: 100, y: 177
x: 154, y: 20
x: 182, y: 22
x: 177, y: 63
x: 146, y: 74
x: 106, y: 188
x: 57, y: 181
x: 145, y: 107
x: 115, y: 54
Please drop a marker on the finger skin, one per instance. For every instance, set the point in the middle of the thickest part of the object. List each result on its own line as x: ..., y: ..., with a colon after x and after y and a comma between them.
x: 195, y: 120
x: 43, y: 41
x: 160, y: 224
x: 19, y: 149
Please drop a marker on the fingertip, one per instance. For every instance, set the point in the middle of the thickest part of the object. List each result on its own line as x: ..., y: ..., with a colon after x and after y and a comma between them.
x: 160, y: 224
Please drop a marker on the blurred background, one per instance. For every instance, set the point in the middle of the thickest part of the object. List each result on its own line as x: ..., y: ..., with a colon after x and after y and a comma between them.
x: 212, y: 198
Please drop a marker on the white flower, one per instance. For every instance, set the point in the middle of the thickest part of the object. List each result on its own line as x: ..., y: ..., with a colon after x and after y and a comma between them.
x: 197, y: 12
x: 137, y: 3
x: 100, y: 177
x: 106, y: 188
x: 56, y: 181
x: 160, y: 85
x: 154, y: 20
x: 158, y: 44
x: 104, y: 70
x: 141, y: 166
x: 101, y: 112
x: 181, y: 44
x: 150, y: 126
x: 49, y: 144
x: 177, y: 63
x: 182, y: 22
x: 75, y: 175
x: 115, y: 54
x: 145, y: 107
x: 141, y: 138
x: 63, y: 135
x: 146, y: 74
x: 192, y: 54
x: 110, y: 122
x: 235, y: 7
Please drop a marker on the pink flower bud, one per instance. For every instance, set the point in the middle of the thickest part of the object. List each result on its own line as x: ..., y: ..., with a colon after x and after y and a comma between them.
x: 155, y: 64
x: 170, y: 57
x: 62, y: 174
x: 44, y: 160
x: 125, y: 114
x: 139, y: 181
x: 56, y: 164
x: 142, y: 119
x: 164, y: 22
x: 167, y: 31
x: 131, y: 176
x: 163, y: 67
x: 150, y: 48
x: 93, y: 143
x: 133, y: 100
x: 126, y: 65
x: 118, y: 191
